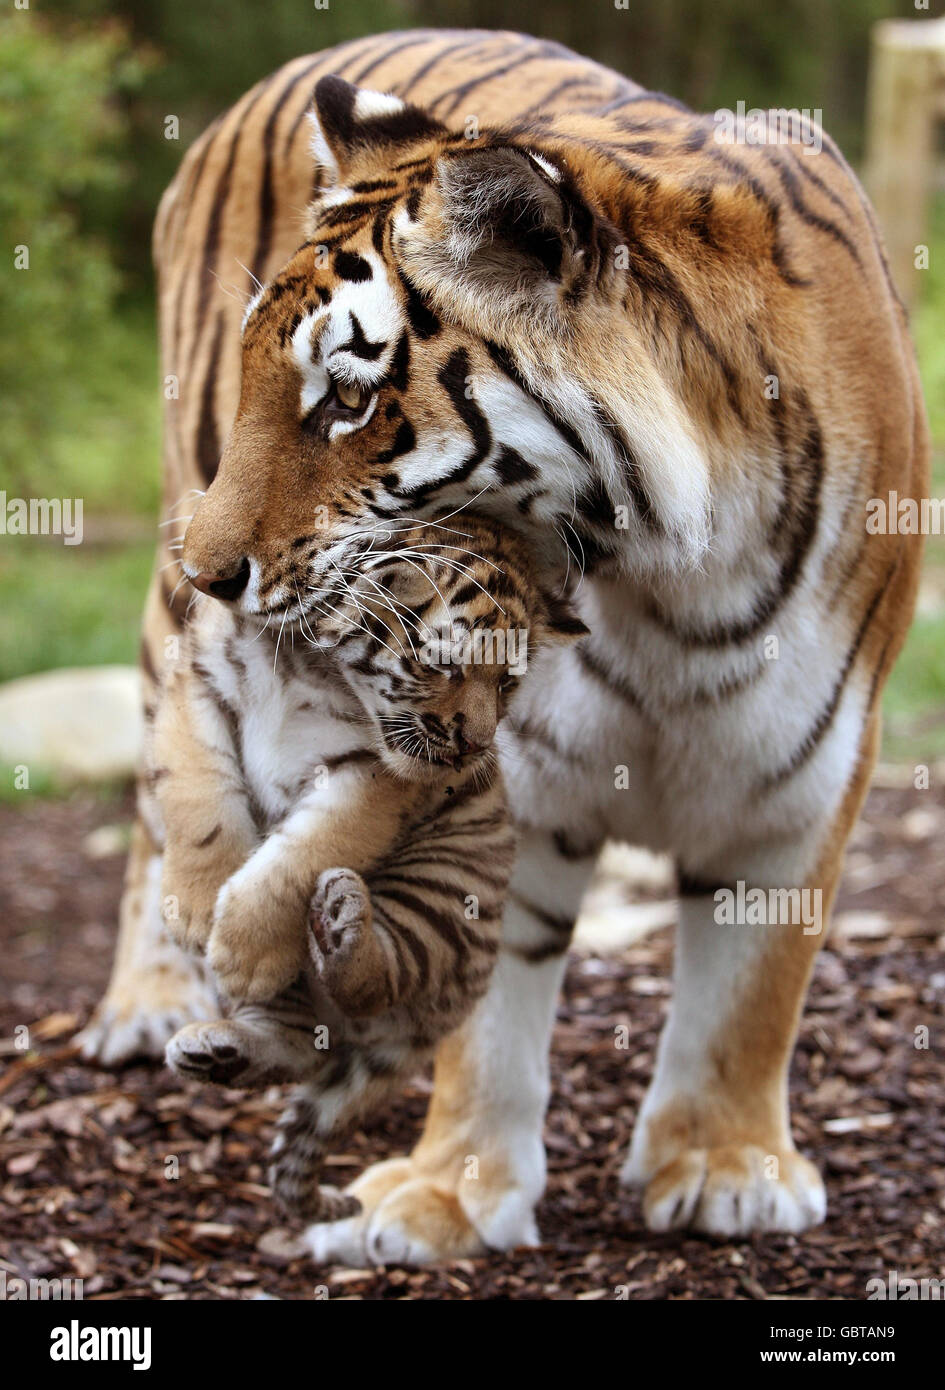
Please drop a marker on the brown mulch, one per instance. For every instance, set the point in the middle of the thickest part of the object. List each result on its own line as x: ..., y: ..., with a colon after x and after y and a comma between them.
x: 86, y: 1156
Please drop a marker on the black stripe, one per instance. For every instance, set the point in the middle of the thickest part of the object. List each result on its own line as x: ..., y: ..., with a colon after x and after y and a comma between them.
x: 573, y: 852
x: 404, y: 932
x: 617, y: 684
x: 458, y: 94
x: 423, y: 320
x: 796, y: 522
x: 694, y: 886
x: 208, y: 439
x: 428, y: 36
x: 791, y: 186
x: 212, y: 238
x: 808, y: 746
x: 266, y: 191
x: 190, y: 195
x: 405, y: 441
x: 503, y: 360
x: 772, y: 211
x: 354, y: 755
x: 358, y: 345
x: 511, y: 468
x: 349, y: 265
x: 404, y: 88
x: 567, y: 84
x: 651, y: 275
x: 452, y: 377
x: 555, y: 922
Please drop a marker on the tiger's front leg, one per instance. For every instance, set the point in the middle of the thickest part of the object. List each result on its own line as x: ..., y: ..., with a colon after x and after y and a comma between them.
x: 346, y: 951
x: 712, y: 1146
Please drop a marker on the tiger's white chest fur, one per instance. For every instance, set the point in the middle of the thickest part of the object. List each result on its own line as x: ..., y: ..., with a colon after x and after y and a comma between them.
x: 295, y: 713
x: 680, y: 749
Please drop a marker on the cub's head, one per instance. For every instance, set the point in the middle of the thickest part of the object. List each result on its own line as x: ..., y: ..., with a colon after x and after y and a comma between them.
x: 438, y: 339
x: 434, y: 634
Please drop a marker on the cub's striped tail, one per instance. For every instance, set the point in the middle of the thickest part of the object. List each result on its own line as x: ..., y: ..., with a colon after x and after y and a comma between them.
x: 297, y: 1153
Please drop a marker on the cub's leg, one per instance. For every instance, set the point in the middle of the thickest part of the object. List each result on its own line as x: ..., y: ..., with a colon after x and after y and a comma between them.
x: 473, y: 1180
x: 312, y: 1119
x: 347, y: 951
x: 257, y: 1045
x: 712, y: 1144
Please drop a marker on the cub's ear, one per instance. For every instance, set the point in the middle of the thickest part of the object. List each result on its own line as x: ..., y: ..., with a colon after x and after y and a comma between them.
x: 508, y: 235
x: 561, y: 622
x: 348, y: 122
x: 408, y: 585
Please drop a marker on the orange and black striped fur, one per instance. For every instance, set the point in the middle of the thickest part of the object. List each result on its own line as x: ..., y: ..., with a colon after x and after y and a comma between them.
x: 486, y: 274
x: 275, y: 760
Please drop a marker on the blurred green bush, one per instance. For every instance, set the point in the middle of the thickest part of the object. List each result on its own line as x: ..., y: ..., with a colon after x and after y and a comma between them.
x: 71, y: 378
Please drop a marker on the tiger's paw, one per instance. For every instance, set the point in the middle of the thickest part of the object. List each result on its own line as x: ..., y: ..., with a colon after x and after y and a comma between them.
x: 405, y: 1219
x: 733, y: 1190
x: 409, y: 1217
x: 143, y: 1010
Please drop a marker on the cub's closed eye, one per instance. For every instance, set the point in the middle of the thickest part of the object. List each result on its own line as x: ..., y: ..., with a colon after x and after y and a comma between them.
x: 508, y: 683
x: 345, y: 401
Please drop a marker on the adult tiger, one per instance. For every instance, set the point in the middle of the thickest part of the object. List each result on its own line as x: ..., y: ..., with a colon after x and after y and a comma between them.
x: 680, y: 365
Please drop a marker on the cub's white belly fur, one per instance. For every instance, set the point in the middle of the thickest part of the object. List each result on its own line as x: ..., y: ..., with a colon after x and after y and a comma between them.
x: 290, y: 726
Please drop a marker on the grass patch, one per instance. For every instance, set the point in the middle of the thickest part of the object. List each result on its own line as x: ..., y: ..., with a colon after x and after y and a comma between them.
x: 70, y: 605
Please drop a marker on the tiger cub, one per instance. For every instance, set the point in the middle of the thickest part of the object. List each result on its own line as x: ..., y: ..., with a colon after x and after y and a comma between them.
x: 275, y: 759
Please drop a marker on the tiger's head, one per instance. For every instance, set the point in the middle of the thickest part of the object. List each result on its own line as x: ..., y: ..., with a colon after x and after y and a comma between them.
x: 440, y: 340
x: 434, y: 633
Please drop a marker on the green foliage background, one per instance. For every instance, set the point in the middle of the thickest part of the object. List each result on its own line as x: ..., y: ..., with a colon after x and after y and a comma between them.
x: 85, y: 88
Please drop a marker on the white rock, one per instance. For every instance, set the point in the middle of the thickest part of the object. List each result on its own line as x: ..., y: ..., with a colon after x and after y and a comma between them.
x: 80, y: 724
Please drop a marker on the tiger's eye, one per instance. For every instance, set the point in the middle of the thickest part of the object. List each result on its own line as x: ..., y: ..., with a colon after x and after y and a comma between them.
x: 351, y: 397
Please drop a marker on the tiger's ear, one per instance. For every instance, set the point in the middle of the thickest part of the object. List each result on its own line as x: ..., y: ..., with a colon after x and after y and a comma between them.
x: 349, y: 122
x: 506, y: 236
x: 561, y: 622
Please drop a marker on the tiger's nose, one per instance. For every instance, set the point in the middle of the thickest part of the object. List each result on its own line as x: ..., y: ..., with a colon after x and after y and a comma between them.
x: 226, y: 587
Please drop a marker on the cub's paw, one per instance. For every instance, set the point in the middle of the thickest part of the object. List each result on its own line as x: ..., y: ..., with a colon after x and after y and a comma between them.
x: 142, y: 1010
x: 219, y: 1052
x: 735, y: 1190
x: 343, y: 944
x: 340, y: 911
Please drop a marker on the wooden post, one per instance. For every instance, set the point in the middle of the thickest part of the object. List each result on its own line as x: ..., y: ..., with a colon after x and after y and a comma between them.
x: 904, y: 101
